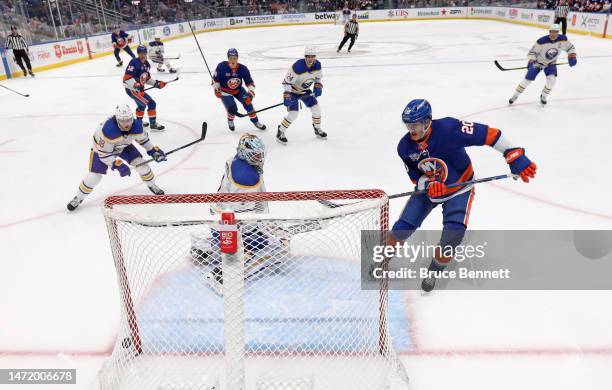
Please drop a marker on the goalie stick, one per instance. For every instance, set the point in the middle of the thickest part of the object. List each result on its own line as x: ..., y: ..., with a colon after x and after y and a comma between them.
x: 202, y: 137
x: 518, y: 68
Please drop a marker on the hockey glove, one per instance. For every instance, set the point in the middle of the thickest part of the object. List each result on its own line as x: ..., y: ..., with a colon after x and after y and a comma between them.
x: 436, y: 189
x: 287, y: 99
x: 159, y: 84
x: 138, y: 87
x: 123, y: 169
x: 157, y: 154
x: 572, y: 60
x: 249, y: 99
x: 520, y: 164
x: 218, y: 93
x: 318, y: 89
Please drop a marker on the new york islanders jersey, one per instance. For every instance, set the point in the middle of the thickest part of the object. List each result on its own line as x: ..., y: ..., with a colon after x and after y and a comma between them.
x: 137, y: 72
x: 230, y: 80
x: 156, y: 51
x: 120, y: 40
x: 300, y: 77
x: 241, y: 177
x: 441, y: 154
x: 110, y: 140
x: 546, y: 51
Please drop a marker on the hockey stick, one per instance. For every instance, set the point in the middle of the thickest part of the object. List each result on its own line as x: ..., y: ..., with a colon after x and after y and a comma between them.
x: 333, y: 205
x: 18, y: 93
x: 204, y: 127
x: 239, y: 115
x: 519, y: 68
x: 201, y: 52
x: 167, y: 82
x: 178, y: 57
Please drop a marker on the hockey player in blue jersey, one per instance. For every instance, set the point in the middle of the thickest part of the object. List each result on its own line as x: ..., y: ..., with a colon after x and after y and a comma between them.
x: 114, y: 148
x: 137, y: 75
x: 543, y: 56
x: 434, y: 154
x: 302, y: 75
x: 121, y: 40
x: 228, y: 83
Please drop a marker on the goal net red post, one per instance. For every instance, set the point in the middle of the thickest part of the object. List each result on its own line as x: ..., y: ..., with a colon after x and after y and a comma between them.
x: 248, y: 291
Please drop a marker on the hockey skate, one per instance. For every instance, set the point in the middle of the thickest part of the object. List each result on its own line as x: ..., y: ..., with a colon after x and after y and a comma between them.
x: 231, y: 125
x: 156, y: 126
x: 32, y: 74
x: 215, y: 280
x: 280, y: 136
x: 155, y: 189
x: 74, y: 203
x: 260, y: 126
x: 161, y: 70
x: 319, y: 133
x: 172, y: 70
x: 120, y: 63
x: 543, y: 100
x: 513, y: 99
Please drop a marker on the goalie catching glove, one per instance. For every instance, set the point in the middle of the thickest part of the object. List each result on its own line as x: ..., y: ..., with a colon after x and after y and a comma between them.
x: 157, y: 154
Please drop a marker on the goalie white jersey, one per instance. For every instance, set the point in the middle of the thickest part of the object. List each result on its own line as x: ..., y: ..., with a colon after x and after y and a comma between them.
x: 241, y: 177
x: 546, y: 51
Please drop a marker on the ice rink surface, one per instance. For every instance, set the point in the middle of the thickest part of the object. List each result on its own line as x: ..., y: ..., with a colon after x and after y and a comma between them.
x: 60, y: 305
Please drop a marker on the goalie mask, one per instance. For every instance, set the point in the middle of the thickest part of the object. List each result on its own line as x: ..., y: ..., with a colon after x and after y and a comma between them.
x: 252, y: 150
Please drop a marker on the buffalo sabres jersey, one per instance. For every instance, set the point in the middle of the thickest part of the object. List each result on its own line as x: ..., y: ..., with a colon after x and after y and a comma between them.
x: 110, y: 140
x: 441, y: 154
x: 229, y: 80
x: 241, y: 177
x: 300, y: 77
x: 137, y: 72
x: 546, y: 51
x: 156, y: 50
x: 120, y: 40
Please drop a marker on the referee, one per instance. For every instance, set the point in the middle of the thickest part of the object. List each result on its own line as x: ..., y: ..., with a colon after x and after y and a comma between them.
x: 561, y: 12
x: 351, y: 31
x: 20, y: 50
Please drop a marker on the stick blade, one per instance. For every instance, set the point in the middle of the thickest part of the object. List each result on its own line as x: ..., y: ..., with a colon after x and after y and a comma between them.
x: 499, y: 66
x: 204, y: 129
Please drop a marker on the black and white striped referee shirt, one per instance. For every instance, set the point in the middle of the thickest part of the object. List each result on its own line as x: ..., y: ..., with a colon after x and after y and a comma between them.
x: 16, y: 43
x: 351, y: 28
x: 561, y: 11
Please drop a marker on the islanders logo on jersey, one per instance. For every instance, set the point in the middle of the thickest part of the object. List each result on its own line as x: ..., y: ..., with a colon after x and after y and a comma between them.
x: 144, y: 77
x: 434, y: 168
x: 234, y: 83
x: 551, y: 54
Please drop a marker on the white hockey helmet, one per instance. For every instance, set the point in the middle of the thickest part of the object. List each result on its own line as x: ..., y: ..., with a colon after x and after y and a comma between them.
x: 554, y: 27
x: 251, y: 149
x: 124, y: 116
x: 156, y: 36
x: 310, y: 51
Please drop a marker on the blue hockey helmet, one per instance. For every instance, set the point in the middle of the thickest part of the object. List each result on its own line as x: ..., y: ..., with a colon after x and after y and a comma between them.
x: 418, y: 110
x: 232, y: 52
x: 141, y: 49
x: 252, y: 150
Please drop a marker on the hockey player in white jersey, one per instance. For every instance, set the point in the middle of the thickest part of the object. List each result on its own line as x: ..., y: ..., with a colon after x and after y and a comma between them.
x: 302, y: 75
x: 264, y: 244
x: 114, y: 148
x: 157, y: 55
x: 543, y: 56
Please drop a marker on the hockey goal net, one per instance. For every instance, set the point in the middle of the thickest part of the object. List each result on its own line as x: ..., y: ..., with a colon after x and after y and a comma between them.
x: 285, y: 311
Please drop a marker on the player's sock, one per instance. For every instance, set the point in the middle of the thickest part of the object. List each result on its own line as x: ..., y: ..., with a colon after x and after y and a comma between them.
x: 519, y: 90
x: 85, y: 188
x: 550, y: 83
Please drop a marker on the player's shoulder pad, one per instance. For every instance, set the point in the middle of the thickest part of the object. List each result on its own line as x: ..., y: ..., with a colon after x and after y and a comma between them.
x: 562, y: 37
x: 244, y: 174
x: 137, y: 128
x: 403, y: 145
x: 316, y: 65
x: 111, y: 130
x: 300, y: 67
x: 546, y: 39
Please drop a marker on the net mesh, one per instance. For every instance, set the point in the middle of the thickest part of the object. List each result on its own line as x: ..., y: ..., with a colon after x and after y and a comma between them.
x: 285, y: 312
